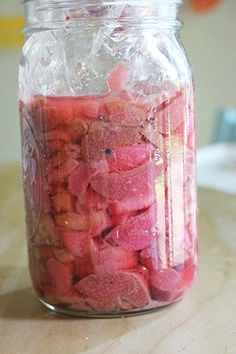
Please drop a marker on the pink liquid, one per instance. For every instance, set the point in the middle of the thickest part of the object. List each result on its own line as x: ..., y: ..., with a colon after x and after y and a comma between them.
x: 110, y: 200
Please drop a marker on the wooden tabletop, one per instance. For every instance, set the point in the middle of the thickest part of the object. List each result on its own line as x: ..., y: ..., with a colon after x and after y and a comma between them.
x: 203, y: 323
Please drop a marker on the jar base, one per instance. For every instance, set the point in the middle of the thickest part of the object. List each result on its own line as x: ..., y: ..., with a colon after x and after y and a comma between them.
x: 120, y: 314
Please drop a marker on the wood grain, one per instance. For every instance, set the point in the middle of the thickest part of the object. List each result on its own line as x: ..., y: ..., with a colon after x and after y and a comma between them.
x: 203, y: 323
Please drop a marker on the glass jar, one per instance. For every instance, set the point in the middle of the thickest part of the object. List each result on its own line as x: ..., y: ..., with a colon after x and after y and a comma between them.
x: 108, y: 136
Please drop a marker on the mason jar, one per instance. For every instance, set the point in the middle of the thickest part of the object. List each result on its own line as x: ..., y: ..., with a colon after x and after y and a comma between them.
x: 108, y: 142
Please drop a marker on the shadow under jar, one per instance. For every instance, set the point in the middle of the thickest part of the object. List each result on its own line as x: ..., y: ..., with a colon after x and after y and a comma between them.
x: 108, y: 140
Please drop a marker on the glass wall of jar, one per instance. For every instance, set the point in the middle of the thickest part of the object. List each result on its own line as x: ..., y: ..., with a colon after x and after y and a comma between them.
x: 108, y: 137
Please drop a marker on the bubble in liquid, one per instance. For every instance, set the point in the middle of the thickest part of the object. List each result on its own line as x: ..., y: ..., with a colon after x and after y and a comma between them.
x: 81, y: 69
x: 150, y: 118
x: 154, y: 109
x: 155, y: 230
x: 104, y: 118
x: 152, y: 114
x: 154, y: 127
x: 157, y: 155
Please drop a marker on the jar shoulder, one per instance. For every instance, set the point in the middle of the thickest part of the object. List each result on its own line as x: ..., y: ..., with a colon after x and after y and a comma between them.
x: 79, y: 62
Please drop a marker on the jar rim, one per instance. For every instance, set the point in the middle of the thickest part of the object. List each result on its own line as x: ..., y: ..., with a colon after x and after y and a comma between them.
x: 42, y: 4
x: 55, y: 13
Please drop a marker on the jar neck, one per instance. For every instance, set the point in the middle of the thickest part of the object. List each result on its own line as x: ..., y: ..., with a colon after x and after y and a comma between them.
x: 41, y: 14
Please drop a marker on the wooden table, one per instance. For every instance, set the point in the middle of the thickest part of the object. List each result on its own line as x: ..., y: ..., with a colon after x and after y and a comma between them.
x: 203, y: 323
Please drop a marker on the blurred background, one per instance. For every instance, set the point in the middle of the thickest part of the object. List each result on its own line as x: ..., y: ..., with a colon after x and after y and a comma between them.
x: 209, y: 36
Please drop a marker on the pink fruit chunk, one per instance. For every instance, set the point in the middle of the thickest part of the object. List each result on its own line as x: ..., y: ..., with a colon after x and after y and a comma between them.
x: 50, y: 143
x: 114, y: 291
x: 46, y: 233
x: 57, y: 176
x: 122, y: 218
x: 76, y: 302
x: 89, y: 108
x: 57, y: 152
x: 91, y: 200
x: 107, y: 258
x: 63, y: 107
x: 62, y: 202
x: 98, y: 144
x: 52, y: 148
x: 38, y: 257
x: 131, y: 205
x: 34, y: 197
x: 71, y: 299
x: 77, y: 129
x: 45, y: 114
x: 57, y: 134
x: 84, y: 265
x: 124, y: 158
x: 118, y: 77
x: 79, y: 179
x: 172, y: 116
x: 139, y: 231
x: 104, y: 258
x: 42, y: 253
x: 39, y: 275
x: 75, y: 242
x: 63, y: 153
x: 152, y: 135
x: 143, y: 271
x: 96, y: 221
x: 62, y: 255
x: 136, y: 183
x: 188, y: 274
x: 123, y: 113
x: 71, y: 151
x: 51, y: 112
x: 61, y: 275
x: 150, y: 259
x: 164, y: 284
x: 67, y: 167
x: 157, y: 99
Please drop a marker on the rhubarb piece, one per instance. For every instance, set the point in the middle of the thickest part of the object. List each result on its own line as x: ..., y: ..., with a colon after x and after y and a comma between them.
x: 138, y: 232
x: 60, y: 275
x: 98, y: 144
x: 113, y: 291
x: 164, y: 284
x: 136, y: 183
x: 118, y: 77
